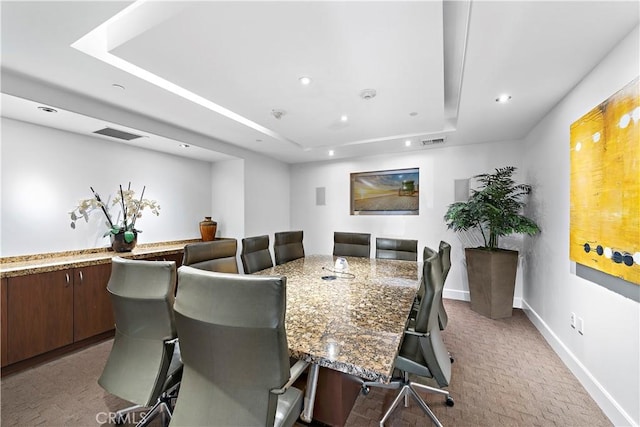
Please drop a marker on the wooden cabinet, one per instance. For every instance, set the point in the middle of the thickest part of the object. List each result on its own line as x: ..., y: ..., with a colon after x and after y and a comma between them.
x: 177, y: 257
x: 40, y: 313
x: 46, y: 311
x: 92, y: 310
x: 3, y: 323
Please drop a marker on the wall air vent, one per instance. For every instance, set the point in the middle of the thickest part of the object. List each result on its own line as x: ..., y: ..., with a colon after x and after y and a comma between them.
x: 433, y: 141
x: 115, y: 133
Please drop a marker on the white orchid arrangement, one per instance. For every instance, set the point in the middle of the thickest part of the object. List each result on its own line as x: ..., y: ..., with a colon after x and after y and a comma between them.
x: 130, y: 208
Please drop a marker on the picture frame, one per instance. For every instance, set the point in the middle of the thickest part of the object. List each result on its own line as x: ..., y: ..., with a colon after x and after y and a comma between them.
x: 386, y: 192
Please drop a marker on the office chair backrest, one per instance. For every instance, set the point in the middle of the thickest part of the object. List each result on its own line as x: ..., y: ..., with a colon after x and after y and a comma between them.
x: 288, y: 246
x: 217, y: 255
x: 255, y: 254
x: 402, y: 249
x: 142, y: 296
x: 431, y: 347
x: 427, y: 315
x: 352, y: 244
x: 234, y: 347
x: 444, y: 253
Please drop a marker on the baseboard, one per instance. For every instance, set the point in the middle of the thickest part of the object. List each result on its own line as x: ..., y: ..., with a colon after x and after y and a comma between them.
x: 454, y: 294
x: 603, y: 399
x: 464, y: 296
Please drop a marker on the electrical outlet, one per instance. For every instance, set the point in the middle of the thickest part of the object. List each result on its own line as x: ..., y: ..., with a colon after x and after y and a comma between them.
x: 573, y: 320
x: 580, y: 326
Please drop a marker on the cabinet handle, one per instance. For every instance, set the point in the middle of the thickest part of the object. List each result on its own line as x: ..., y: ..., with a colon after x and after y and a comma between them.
x: 80, y: 275
x: 68, y: 279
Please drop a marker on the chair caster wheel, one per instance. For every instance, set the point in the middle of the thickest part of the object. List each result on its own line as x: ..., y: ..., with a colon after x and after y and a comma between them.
x: 119, y: 420
x: 365, y: 390
x: 452, y: 359
x: 449, y: 401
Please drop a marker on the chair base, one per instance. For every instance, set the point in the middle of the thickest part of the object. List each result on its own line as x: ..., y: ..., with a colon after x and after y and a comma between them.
x: 408, y: 388
x: 164, y: 405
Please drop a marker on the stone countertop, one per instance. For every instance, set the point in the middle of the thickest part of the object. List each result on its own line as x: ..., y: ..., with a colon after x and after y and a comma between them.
x: 42, y: 263
x: 353, y: 325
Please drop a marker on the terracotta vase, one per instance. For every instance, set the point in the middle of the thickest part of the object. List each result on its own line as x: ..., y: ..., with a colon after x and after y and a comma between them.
x: 119, y: 244
x: 208, y: 229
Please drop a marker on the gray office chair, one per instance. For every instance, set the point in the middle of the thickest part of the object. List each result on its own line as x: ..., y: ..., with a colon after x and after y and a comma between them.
x: 236, y: 358
x: 217, y: 255
x: 352, y: 244
x: 401, y: 249
x: 422, y: 352
x: 144, y: 365
x: 255, y: 254
x: 288, y: 246
x: 444, y: 254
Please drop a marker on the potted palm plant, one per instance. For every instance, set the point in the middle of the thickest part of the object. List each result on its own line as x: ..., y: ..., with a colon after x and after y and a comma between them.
x: 495, y: 209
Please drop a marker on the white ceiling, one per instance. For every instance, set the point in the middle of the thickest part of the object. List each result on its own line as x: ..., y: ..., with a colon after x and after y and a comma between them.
x: 445, y: 61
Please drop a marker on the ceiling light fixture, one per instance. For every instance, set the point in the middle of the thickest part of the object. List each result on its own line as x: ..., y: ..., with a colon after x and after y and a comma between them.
x: 504, y: 98
x: 305, y: 80
x: 367, y: 94
x: 407, y: 143
x: 48, y: 109
x: 331, y: 152
x: 184, y: 145
x: 413, y: 114
x: 344, y: 118
x: 117, y: 86
x: 278, y: 113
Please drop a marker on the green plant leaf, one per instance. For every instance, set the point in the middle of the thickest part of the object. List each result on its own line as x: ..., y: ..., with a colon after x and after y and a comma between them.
x: 129, y: 236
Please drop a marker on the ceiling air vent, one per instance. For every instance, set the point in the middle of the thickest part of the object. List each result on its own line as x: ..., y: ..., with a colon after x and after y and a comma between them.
x: 115, y: 133
x: 433, y: 141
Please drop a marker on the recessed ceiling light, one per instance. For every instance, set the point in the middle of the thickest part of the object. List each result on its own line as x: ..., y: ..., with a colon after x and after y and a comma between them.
x: 117, y: 86
x: 368, y: 94
x: 184, y: 145
x: 344, y: 118
x: 407, y: 143
x: 48, y: 109
x: 331, y: 153
x: 503, y: 98
x: 305, y: 80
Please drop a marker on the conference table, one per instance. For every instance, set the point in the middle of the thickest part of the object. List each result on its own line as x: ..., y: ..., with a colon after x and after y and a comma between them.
x: 350, y: 322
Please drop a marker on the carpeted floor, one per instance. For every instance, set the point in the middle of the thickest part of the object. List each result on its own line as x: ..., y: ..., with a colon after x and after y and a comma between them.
x: 505, y: 374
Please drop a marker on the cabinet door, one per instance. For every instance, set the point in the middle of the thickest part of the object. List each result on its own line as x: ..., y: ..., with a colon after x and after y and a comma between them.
x: 92, y: 310
x: 174, y: 257
x: 3, y: 323
x: 40, y: 313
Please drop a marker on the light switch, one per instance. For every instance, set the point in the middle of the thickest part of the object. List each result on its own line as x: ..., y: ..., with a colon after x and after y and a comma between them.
x: 580, y: 326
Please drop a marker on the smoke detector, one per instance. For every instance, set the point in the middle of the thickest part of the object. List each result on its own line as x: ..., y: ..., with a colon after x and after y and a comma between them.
x: 278, y: 113
x: 368, y: 94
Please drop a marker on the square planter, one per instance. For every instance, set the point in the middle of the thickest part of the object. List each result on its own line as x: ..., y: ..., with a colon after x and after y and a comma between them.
x: 492, y: 279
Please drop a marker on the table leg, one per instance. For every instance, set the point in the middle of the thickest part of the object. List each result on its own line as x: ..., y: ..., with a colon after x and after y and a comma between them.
x: 310, y: 393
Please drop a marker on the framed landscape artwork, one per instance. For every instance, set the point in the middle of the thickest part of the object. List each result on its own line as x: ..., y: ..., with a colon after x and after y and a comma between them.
x: 390, y: 192
x: 605, y: 186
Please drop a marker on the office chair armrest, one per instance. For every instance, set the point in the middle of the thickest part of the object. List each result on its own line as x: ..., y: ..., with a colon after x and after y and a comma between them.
x: 295, y: 371
x: 410, y: 331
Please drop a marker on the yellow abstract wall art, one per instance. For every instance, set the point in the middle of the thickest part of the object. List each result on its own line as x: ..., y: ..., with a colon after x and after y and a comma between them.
x: 605, y: 186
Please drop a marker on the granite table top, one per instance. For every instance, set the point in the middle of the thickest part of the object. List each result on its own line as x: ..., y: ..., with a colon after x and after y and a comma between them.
x: 351, y: 324
x: 42, y: 263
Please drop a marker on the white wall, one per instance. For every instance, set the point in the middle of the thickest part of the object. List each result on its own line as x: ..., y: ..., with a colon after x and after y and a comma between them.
x: 46, y: 171
x: 607, y: 358
x: 439, y: 167
x: 227, y: 183
x: 267, y: 200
